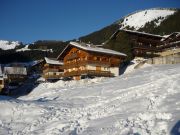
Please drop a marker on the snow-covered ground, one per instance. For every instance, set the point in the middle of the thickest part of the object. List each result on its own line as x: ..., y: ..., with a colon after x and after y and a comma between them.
x: 26, y: 48
x: 139, y: 19
x: 145, y: 102
x: 23, y: 49
x: 7, y: 45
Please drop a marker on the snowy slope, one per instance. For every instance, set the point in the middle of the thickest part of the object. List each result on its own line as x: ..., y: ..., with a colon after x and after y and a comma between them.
x: 145, y: 102
x: 23, y: 49
x: 7, y: 45
x: 139, y: 19
x: 26, y: 48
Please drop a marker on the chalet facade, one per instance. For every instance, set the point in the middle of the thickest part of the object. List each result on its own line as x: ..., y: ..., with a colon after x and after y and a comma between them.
x: 15, y: 74
x: 1, y: 79
x: 144, y: 44
x: 53, y: 69
x: 85, y: 60
x: 149, y: 45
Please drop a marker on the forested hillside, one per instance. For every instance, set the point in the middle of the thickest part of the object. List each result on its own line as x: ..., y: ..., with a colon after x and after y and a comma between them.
x: 169, y: 25
x: 37, y: 50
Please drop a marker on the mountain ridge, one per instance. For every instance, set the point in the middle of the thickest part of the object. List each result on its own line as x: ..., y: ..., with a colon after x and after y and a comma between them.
x: 116, y: 25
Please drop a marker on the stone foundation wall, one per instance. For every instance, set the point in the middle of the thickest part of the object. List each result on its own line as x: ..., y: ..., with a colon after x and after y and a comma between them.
x: 170, y: 59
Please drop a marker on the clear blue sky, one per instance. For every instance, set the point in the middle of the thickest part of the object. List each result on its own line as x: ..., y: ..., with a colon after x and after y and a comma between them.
x: 31, y: 20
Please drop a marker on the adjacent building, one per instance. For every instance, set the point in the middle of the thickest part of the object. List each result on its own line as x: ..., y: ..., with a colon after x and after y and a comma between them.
x: 150, y: 45
x: 15, y: 74
x: 86, y: 60
x: 52, y: 69
x: 1, y: 79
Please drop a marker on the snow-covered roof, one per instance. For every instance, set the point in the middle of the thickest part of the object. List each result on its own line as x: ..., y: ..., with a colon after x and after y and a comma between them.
x: 93, y: 48
x: 15, y: 70
x: 142, y: 33
x: 53, y: 61
x: 37, y: 62
x: 168, y: 36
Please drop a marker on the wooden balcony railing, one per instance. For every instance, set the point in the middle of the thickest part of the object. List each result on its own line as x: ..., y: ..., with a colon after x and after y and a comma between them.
x: 52, y: 67
x: 53, y: 76
x: 88, y: 72
x: 154, y: 49
x: 52, y: 70
x: 85, y: 62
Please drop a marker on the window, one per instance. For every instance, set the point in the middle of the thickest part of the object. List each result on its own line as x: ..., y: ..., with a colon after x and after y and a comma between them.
x: 98, y: 58
x: 106, y: 68
x: 78, y: 51
x: 83, y: 68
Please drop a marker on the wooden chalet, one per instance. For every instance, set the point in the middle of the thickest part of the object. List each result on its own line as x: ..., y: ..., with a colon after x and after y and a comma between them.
x: 1, y: 79
x: 53, y: 69
x: 149, y: 45
x: 86, y: 60
x: 15, y: 74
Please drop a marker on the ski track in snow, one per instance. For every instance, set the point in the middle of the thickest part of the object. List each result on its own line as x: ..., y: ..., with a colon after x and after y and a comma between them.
x: 144, y: 102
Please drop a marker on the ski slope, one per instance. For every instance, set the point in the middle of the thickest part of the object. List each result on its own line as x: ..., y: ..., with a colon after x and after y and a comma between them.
x: 143, y: 102
x: 140, y: 19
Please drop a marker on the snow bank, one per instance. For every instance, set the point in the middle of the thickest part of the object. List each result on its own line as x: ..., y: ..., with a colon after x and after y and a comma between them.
x: 139, y: 19
x: 7, y: 45
x: 134, y: 63
x: 40, y: 90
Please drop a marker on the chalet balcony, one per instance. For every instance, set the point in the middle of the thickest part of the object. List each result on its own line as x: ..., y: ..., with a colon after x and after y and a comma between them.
x: 53, y: 76
x: 169, y: 45
x: 52, y: 70
x: 146, y: 48
x: 88, y: 72
x: 85, y: 62
x: 52, y: 67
